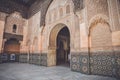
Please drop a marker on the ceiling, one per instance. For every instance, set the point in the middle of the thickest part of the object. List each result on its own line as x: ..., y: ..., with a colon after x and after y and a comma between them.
x: 25, y: 2
x: 22, y: 6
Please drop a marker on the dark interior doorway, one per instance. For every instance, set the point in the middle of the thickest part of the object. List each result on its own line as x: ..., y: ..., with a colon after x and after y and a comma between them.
x: 11, y: 50
x: 12, y: 46
x: 63, y: 47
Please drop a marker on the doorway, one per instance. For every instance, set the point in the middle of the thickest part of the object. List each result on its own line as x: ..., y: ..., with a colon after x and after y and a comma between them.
x: 63, y: 47
x: 11, y: 50
x: 59, y: 46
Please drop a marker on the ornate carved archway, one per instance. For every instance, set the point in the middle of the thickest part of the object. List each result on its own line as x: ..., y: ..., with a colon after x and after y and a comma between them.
x: 53, y: 44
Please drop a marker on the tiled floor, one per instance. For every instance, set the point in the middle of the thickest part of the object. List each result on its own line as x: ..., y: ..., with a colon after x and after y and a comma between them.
x: 18, y: 71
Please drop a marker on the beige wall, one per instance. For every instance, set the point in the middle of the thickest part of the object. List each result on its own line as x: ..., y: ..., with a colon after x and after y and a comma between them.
x: 1, y: 34
x: 69, y: 19
x: 24, y: 48
x: 78, y: 23
x: 94, y: 34
x: 33, y: 33
x: 14, y: 19
x: 2, y: 23
x: 6, y: 23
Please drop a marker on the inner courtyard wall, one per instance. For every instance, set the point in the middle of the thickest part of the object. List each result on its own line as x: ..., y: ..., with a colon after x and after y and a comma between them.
x: 94, y: 36
x: 2, y: 23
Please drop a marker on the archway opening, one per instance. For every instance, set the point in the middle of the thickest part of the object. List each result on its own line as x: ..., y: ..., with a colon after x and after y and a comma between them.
x: 63, y: 47
x: 55, y: 47
x: 11, y: 50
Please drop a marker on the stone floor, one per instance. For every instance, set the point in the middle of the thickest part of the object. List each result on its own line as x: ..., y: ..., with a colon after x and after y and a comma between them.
x: 18, y: 71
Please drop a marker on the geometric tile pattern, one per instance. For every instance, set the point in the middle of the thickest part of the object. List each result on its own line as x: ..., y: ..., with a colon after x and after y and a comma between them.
x: 101, y: 63
x: 43, y: 59
x: 6, y: 58
x: 23, y: 58
x: 38, y: 59
x: 17, y: 57
x: 97, y: 63
x: 84, y: 63
x: 75, y: 62
x: 117, y: 57
x: 30, y: 58
x: 80, y: 63
x: 34, y: 59
x: 0, y: 58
